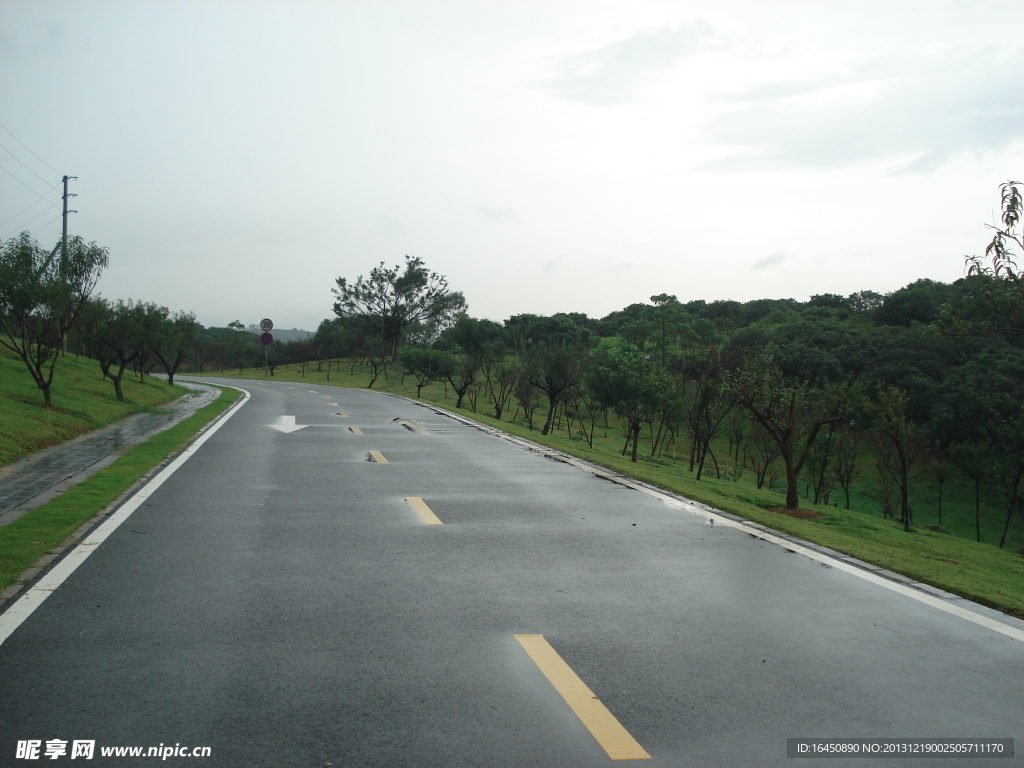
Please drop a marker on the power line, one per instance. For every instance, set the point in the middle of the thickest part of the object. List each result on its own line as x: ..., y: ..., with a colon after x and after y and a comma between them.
x: 5, y: 149
x: 41, y: 197
x: 26, y: 186
x: 24, y: 226
x: 34, y: 202
x: 37, y: 157
x: 51, y: 221
x: 55, y: 218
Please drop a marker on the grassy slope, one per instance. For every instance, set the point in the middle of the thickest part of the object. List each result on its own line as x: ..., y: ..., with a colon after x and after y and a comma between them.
x: 82, y: 401
x: 37, y: 532
x: 981, y: 572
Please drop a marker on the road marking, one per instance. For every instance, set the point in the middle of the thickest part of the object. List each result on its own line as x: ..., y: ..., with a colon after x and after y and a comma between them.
x: 378, y: 457
x: 334, y: 404
x: 287, y: 424
x: 413, y: 426
x: 356, y: 430
x: 328, y: 397
x: 12, y: 618
x: 341, y: 413
x: 426, y: 513
x: 609, y: 733
x: 314, y: 392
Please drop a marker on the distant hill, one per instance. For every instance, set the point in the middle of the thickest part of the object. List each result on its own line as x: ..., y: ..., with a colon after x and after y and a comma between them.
x: 282, y: 334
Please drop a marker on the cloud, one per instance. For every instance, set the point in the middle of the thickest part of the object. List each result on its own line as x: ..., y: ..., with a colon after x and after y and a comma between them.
x: 551, y: 264
x: 614, y: 72
x: 771, y: 260
x: 499, y: 215
x: 922, y: 112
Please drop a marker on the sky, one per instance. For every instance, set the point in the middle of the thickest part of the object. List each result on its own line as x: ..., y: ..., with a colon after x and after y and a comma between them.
x: 236, y: 158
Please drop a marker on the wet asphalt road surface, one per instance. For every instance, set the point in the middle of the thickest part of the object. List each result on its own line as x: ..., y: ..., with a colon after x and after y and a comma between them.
x: 279, y: 601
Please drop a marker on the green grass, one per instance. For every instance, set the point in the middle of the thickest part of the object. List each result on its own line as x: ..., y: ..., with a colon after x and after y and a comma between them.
x: 35, y: 533
x: 978, y: 571
x: 82, y: 401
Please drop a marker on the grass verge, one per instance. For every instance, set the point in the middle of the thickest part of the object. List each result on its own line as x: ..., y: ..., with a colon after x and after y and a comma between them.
x: 82, y: 401
x: 978, y: 571
x: 35, y: 533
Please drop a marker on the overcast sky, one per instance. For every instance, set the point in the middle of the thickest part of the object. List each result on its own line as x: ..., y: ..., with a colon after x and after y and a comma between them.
x: 237, y: 157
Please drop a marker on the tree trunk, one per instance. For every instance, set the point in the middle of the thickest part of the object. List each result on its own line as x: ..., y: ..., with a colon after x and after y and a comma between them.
x: 977, y: 508
x: 636, y: 439
x: 792, y: 481
x: 1013, y: 503
x: 552, y: 402
x: 703, y: 452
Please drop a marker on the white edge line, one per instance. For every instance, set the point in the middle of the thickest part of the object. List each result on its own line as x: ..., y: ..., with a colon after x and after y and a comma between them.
x: 12, y: 618
x: 915, y: 594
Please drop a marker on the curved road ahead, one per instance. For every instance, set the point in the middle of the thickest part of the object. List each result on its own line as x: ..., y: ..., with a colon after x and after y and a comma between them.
x: 287, y: 601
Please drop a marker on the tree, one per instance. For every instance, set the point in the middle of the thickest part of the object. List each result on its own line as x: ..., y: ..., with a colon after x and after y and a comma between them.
x: 792, y: 413
x: 554, y: 369
x: 845, y: 469
x: 708, y: 402
x: 393, y: 300
x: 425, y: 365
x: 41, y: 295
x: 980, y: 413
x: 115, y: 329
x: 175, y: 340
x: 666, y: 315
x: 974, y: 459
x: 899, y: 442
x: 461, y: 371
x: 527, y: 396
x: 242, y: 345
x: 501, y: 382
x: 995, y: 292
x: 623, y: 380
x: 150, y: 318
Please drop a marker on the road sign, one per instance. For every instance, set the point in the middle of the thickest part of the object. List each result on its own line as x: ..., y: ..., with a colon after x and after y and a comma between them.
x: 266, y: 339
x: 266, y: 324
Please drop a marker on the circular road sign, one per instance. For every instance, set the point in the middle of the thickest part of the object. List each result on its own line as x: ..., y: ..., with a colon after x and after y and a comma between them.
x: 266, y: 339
x: 266, y: 324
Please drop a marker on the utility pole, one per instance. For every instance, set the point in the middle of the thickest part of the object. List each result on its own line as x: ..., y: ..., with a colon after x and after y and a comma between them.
x: 64, y: 237
x: 62, y: 246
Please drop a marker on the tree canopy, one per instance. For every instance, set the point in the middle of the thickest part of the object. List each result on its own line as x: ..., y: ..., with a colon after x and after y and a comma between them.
x: 394, y: 300
x: 41, y: 294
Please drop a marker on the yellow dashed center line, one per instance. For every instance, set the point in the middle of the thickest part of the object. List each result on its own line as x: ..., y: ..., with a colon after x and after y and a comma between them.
x: 341, y: 413
x: 378, y: 457
x: 426, y: 513
x: 609, y: 733
x: 356, y: 430
x: 334, y: 404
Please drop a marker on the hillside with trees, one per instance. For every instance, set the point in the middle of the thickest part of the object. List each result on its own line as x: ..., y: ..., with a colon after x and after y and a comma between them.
x: 907, y: 405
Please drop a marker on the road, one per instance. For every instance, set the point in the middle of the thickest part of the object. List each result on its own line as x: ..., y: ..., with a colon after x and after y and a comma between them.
x: 281, y: 601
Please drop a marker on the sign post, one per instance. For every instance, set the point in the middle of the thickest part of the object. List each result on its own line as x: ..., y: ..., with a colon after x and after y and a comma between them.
x: 266, y: 339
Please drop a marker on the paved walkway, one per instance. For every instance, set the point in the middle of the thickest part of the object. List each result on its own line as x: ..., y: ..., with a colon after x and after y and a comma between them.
x: 31, y: 482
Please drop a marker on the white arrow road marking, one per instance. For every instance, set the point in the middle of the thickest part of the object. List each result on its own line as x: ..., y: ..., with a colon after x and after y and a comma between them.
x: 288, y: 425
